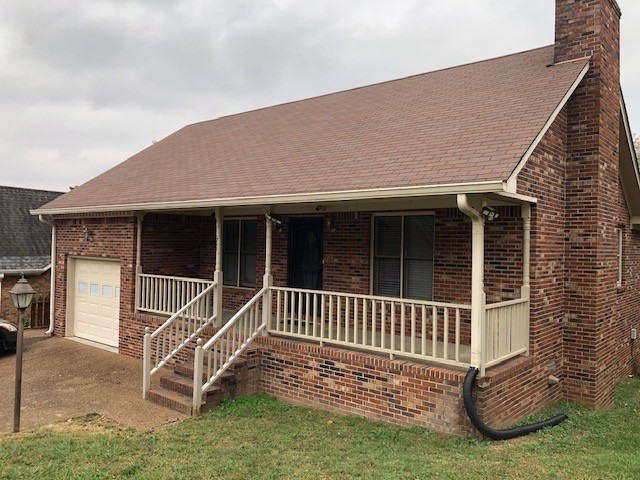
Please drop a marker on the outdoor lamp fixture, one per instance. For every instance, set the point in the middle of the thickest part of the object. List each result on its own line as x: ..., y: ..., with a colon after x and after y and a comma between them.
x: 490, y: 213
x: 21, y: 296
x: 87, y: 234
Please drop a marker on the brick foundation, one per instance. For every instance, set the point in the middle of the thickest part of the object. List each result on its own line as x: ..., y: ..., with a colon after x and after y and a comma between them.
x: 358, y: 384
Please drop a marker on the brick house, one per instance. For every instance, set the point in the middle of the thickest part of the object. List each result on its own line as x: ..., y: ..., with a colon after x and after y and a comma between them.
x: 25, y: 247
x: 366, y: 247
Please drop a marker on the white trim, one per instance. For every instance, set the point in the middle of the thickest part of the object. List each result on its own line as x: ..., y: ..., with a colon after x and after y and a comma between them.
x: 515, y: 196
x: 619, y: 255
x: 25, y: 271
x: 338, y: 196
x: 512, y: 181
x: 627, y: 130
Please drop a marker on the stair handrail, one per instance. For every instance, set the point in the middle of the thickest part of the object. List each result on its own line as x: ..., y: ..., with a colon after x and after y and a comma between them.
x: 238, y: 332
x: 196, y: 315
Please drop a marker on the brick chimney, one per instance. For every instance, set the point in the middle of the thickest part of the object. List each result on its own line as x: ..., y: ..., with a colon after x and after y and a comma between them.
x: 587, y: 27
x: 591, y: 28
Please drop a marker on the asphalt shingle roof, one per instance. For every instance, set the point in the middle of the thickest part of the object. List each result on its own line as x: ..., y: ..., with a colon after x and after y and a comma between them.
x: 25, y: 242
x: 465, y: 124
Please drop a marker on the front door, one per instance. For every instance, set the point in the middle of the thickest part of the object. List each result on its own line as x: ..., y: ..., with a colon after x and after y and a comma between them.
x: 305, y: 253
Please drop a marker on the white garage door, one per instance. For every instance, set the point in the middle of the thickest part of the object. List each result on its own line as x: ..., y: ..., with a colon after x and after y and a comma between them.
x: 97, y: 301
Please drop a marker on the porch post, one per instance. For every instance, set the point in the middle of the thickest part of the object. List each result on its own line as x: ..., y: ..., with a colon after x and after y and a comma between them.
x: 217, y: 275
x: 138, y: 259
x: 473, y: 209
x: 267, y: 279
x: 525, y: 291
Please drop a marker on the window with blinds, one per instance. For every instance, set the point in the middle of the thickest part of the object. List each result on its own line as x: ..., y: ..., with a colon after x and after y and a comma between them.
x: 403, y: 256
x: 239, y: 239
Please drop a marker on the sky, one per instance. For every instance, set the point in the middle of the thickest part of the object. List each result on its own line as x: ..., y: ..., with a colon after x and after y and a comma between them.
x: 86, y: 84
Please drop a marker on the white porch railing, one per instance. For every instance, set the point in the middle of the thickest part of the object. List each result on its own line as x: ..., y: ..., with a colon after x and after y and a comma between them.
x: 392, y: 326
x: 173, y: 335
x: 211, y: 360
x: 166, y: 295
x: 422, y: 330
x: 506, y: 331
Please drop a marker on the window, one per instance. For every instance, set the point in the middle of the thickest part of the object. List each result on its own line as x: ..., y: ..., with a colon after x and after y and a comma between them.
x: 619, y: 233
x: 107, y: 291
x: 82, y: 287
x: 239, y: 238
x: 95, y: 289
x: 403, y: 256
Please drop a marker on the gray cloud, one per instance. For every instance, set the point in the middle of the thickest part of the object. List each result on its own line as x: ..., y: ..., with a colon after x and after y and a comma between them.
x: 91, y: 83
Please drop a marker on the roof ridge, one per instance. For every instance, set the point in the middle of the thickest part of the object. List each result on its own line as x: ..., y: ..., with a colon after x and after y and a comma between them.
x: 30, y: 189
x: 365, y: 86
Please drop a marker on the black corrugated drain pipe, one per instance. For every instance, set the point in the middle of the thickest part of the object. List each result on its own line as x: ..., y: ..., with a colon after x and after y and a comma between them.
x: 492, y: 433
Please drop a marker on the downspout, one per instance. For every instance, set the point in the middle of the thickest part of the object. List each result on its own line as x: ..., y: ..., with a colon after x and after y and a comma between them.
x: 478, y: 300
x: 473, y: 210
x: 52, y: 292
x: 139, y: 218
x: 2, y: 278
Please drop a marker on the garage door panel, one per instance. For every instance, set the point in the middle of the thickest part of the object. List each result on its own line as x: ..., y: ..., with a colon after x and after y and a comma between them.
x: 96, y: 306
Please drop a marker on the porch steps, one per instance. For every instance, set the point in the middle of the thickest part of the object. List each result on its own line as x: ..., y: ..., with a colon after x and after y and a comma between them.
x: 176, y: 390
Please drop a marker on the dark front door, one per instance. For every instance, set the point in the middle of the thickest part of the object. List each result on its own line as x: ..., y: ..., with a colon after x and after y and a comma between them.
x: 305, y: 253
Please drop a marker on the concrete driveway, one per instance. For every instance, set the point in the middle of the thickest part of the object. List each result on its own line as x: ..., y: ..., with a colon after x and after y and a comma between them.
x: 63, y: 379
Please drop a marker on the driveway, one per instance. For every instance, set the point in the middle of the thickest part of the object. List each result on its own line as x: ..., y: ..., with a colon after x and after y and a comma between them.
x: 63, y: 379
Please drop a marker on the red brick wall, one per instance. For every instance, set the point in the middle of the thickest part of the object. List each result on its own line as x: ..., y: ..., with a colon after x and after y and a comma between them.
x: 110, y: 238
x: 347, y: 252
x: 346, y: 256
x: 172, y: 245
x: 543, y: 177
x: 502, y: 254
x: 599, y: 314
x: 358, y: 384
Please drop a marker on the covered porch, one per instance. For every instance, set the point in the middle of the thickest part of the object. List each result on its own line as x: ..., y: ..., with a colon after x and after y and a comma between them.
x: 335, y: 254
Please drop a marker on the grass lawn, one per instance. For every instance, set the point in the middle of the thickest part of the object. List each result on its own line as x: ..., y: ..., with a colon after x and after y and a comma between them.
x: 261, y: 438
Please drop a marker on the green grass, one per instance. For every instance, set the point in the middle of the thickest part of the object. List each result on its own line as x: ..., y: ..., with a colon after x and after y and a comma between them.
x: 261, y: 438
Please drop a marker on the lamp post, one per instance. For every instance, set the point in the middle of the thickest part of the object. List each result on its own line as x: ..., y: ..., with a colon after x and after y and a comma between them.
x: 21, y: 296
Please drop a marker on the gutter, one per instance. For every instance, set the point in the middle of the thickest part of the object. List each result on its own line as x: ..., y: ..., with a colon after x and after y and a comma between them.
x: 52, y: 292
x: 497, y: 187
x: 24, y: 271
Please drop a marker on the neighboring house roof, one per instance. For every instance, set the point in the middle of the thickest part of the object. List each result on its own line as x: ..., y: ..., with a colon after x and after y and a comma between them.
x: 469, y: 124
x: 25, y: 242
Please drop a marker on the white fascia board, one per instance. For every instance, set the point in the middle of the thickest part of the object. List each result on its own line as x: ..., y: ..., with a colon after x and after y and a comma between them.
x: 629, y: 135
x: 498, y: 186
x: 26, y: 271
x: 518, y: 197
x: 512, y: 181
